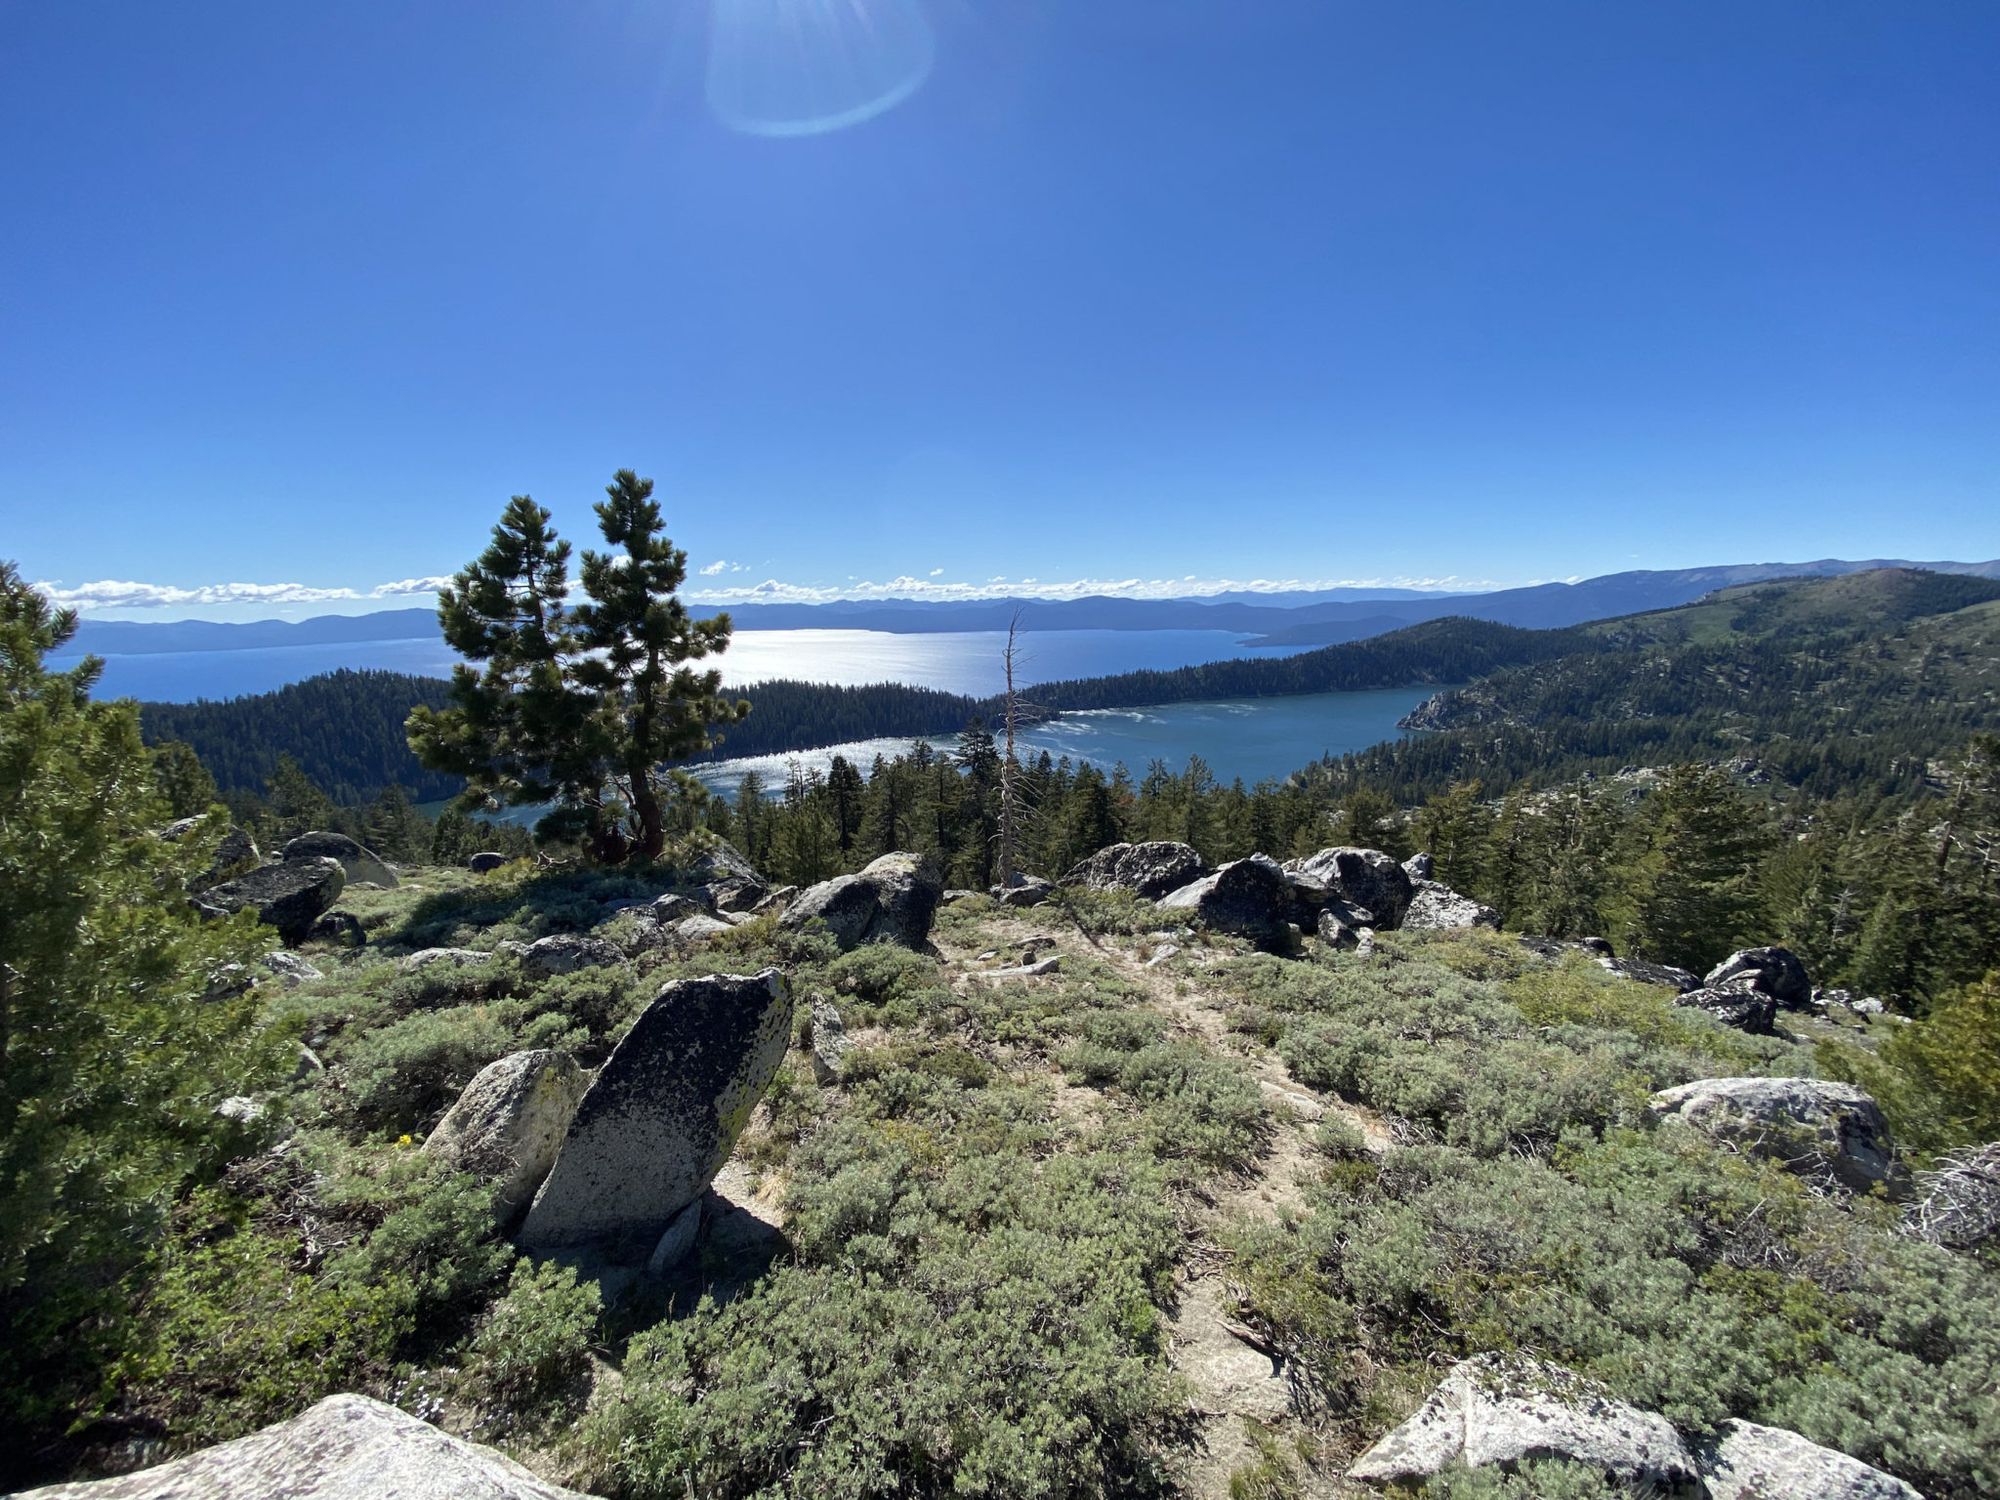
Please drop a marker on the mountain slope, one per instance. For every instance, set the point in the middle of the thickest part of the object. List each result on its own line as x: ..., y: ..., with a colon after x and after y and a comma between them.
x: 1835, y: 685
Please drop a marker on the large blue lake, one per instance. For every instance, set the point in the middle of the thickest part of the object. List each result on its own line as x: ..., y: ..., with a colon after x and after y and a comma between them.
x: 959, y: 662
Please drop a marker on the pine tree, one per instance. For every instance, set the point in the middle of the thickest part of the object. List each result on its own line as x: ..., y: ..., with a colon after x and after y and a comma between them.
x: 183, y: 780
x: 297, y: 804
x: 112, y: 1054
x: 1686, y: 895
x: 579, y: 707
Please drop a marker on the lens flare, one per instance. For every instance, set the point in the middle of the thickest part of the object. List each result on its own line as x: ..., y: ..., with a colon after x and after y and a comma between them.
x: 806, y: 67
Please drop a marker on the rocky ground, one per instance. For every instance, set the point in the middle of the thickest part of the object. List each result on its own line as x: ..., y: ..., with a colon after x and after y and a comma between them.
x: 1210, y: 1086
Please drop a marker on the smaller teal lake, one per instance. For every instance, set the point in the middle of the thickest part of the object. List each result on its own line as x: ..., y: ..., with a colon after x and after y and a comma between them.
x: 1251, y: 738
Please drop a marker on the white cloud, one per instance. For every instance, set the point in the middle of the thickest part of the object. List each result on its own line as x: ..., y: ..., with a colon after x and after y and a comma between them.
x: 113, y: 593
x: 108, y: 593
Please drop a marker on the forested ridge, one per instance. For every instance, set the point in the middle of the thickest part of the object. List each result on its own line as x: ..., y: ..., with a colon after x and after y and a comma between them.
x: 344, y: 729
x: 1836, y: 687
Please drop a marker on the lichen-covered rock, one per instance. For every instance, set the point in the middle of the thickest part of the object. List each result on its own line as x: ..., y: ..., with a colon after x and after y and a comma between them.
x: 1362, y: 877
x: 235, y: 852
x: 1151, y: 870
x: 443, y: 958
x: 1775, y: 971
x: 1808, y: 1125
x: 1745, y: 1009
x: 288, y: 897
x: 828, y: 1040
x: 292, y: 970
x: 1336, y: 932
x: 1748, y: 1462
x: 1493, y: 1411
x: 1025, y: 890
x: 344, y: 1448
x: 360, y: 863
x: 892, y: 900
x: 663, y: 1112
x: 721, y: 865
x: 1418, y: 867
x: 509, y: 1122
x: 485, y: 860
x: 1249, y: 898
x: 1641, y: 972
x: 339, y: 929
x: 565, y: 953
x: 1439, y: 908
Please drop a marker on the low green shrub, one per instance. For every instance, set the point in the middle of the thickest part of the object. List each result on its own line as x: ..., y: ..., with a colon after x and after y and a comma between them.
x: 535, y: 1340
x: 401, y: 1077
x: 1691, y: 1281
x: 969, y: 1314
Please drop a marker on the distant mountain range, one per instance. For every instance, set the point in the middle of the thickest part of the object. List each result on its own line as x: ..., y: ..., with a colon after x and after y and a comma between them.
x: 1326, y: 617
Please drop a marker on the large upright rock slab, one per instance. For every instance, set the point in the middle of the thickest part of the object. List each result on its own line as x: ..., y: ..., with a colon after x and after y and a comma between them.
x: 289, y: 897
x: 1362, y: 877
x: 1807, y: 1125
x: 357, y: 862
x: 1493, y: 1411
x: 1152, y: 870
x: 1777, y: 972
x: 1748, y: 1462
x: 1249, y: 898
x: 661, y: 1115
x: 509, y: 1123
x: 1439, y: 908
x: 892, y: 900
x: 345, y: 1448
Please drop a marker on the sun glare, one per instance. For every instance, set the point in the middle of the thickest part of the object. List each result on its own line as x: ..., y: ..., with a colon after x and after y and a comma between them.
x: 806, y: 67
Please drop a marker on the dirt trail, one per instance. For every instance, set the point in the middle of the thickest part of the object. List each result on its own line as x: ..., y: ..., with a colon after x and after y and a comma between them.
x: 1237, y: 1382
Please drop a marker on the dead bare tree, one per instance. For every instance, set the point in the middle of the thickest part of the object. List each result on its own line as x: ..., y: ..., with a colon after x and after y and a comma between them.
x: 1010, y: 766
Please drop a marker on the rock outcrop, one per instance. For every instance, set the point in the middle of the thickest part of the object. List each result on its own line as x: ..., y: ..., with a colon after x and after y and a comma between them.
x: 289, y: 897
x: 1151, y: 870
x: 891, y: 901
x: 1745, y: 1009
x: 1362, y: 877
x: 1748, y: 1462
x: 1641, y: 972
x: 357, y: 862
x: 1250, y: 898
x: 1024, y: 890
x: 565, y: 953
x: 828, y: 1041
x: 291, y: 969
x: 1808, y: 1125
x: 1495, y: 1411
x: 235, y: 852
x: 339, y: 929
x: 344, y: 1448
x: 1777, y: 972
x: 510, y: 1121
x: 1439, y: 908
x: 663, y: 1112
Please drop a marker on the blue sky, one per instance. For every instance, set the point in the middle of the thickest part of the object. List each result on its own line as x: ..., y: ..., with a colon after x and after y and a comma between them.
x: 961, y: 290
